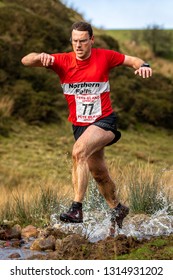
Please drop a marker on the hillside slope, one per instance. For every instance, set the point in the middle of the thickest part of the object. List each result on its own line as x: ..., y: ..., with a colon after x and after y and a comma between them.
x: 35, y: 95
x: 132, y: 42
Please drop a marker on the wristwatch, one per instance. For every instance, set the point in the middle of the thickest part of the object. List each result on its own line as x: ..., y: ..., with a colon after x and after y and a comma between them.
x: 145, y: 65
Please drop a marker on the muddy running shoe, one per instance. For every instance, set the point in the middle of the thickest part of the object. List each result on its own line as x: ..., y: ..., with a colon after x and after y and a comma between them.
x: 74, y: 214
x: 117, y: 217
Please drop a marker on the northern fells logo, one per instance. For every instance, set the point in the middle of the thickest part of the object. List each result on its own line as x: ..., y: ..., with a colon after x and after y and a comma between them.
x: 86, y: 88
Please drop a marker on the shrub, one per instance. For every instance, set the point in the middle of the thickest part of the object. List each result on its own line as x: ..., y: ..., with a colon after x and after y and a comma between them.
x: 35, y: 211
x: 146, y: 194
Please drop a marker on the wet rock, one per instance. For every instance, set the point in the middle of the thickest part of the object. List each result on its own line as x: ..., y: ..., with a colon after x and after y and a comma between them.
x: 43, y: 244
x: 29, y: 231
x: 72, y: 247
x: 10, y: 233
x: 7, y: 243
x: 2, y: 234
x: 14, y: 256
x: 16, y: 243
x: 36, y: 245
x: 56, y: 232
x: 16, y: 232
x: 48, y: 243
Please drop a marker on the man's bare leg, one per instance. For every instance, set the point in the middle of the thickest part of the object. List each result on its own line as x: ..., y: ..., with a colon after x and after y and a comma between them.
x: 99, y: 171
x: 107, y: 188
x: 80, y: 176
x: 93, y: 139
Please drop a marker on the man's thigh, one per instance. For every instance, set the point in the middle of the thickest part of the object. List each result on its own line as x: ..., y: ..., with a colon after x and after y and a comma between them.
x: 93, y: 139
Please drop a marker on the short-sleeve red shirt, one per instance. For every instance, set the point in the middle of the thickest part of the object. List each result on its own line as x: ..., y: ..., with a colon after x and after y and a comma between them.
x: 85, y: 83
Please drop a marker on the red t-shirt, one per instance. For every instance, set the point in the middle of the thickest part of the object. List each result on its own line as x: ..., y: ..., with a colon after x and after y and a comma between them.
x: 85, y: 83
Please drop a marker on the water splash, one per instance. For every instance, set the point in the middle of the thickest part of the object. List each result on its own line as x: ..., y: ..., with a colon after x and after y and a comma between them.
x: 97, y: 223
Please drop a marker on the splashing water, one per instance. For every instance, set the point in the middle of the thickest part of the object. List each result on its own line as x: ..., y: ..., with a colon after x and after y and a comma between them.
x: 140, y: 226
x: 97, y: 223
x: 96, y: 226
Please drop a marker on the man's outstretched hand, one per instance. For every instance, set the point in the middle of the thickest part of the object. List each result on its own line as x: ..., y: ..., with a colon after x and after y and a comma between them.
x: 46, y: 59
x: 144, y: 72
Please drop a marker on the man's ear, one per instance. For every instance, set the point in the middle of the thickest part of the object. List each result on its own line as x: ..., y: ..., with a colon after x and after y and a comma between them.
x: 92, y: 39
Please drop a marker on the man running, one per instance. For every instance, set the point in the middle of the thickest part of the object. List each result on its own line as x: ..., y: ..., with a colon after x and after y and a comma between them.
x: 84, y: 76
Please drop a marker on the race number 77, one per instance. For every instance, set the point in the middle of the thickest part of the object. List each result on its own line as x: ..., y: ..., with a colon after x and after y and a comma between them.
x: 88, y: 108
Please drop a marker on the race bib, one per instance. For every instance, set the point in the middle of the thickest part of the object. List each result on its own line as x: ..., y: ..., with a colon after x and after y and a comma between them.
x: 88, y: 108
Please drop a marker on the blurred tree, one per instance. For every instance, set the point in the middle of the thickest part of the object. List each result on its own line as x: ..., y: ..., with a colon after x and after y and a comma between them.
x: 160, y: 40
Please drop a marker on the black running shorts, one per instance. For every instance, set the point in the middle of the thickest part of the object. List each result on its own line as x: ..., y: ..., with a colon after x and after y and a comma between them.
x: 107, y: 123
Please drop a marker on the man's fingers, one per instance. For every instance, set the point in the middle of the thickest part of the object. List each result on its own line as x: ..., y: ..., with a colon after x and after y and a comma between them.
x: 144, y: 72
x: 46, y: 59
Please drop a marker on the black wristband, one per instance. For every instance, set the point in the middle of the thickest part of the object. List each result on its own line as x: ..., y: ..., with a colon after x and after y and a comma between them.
x: 145, y: 65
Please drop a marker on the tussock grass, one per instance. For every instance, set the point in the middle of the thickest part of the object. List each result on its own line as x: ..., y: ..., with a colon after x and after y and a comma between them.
x: 31, y: 206
x: 146, y: 192
x: 35, y: 178
x: 138, y: 185
x: 144, y: 186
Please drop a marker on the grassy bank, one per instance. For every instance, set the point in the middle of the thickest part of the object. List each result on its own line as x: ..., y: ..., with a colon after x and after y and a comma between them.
x: 36, y: 164
x: 131, y: 42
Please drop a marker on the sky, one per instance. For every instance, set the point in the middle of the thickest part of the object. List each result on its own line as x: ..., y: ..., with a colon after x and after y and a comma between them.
x: 125, y: 14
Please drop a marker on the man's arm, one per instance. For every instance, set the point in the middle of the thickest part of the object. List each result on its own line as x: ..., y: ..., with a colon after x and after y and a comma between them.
x: 38, y: 60
x: 137, y: 64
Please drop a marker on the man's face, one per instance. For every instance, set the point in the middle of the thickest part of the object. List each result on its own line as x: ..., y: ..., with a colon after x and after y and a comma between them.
x: 82, y: 44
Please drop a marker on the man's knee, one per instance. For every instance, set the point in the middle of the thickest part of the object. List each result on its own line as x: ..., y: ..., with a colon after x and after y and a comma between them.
x: 79, y: 153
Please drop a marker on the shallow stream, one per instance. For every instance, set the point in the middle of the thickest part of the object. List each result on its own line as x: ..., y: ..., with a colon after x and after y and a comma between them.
x: 96, y: 227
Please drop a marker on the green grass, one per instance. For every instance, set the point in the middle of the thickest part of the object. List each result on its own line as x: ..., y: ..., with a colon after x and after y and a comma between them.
x: 122, y: 35
x: 129, y: 40
x: 161, y: 248
x: 36, y: 152
x: 35, y: 211
x: 146, y: 144
x: 41, y: 152
x: 35, y: 164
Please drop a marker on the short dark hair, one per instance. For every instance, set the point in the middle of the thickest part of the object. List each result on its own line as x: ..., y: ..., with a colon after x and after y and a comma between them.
x: 82, y: 26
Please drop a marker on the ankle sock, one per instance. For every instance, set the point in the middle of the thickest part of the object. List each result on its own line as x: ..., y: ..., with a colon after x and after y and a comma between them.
x: 77, y: 204
x: 118, y: 206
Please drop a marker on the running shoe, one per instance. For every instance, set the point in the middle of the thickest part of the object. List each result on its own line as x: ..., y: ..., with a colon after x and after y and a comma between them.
x: 74, y: 214
x: 117, y: 217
